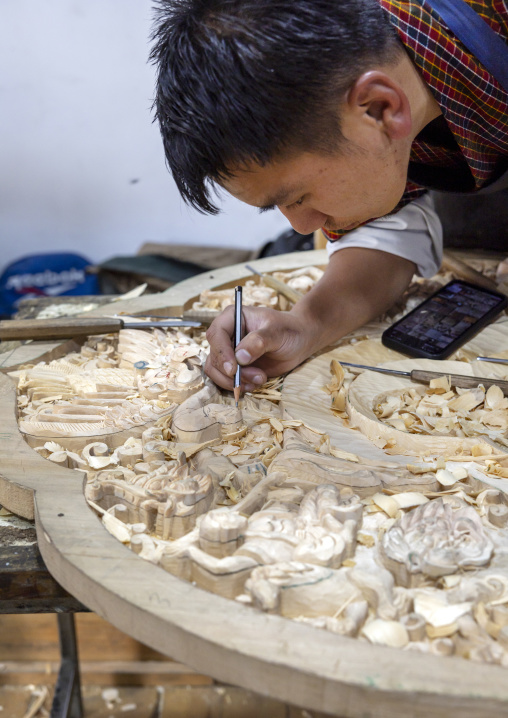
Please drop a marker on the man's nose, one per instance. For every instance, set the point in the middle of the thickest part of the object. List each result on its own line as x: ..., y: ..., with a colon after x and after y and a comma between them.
x: 303, y: 219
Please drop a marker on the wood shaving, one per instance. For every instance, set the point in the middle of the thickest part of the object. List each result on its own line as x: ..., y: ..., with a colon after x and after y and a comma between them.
x: 257, y: 294
x: 439, y: 410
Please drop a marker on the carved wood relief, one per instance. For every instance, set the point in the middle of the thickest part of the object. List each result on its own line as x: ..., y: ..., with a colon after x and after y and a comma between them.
x: 304, y: 503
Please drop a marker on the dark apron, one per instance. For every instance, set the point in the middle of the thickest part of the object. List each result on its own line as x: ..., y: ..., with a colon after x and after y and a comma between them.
x: 469, y: 219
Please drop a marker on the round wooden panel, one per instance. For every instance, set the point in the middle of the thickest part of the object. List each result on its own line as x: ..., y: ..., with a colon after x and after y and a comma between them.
x: 237, y: 644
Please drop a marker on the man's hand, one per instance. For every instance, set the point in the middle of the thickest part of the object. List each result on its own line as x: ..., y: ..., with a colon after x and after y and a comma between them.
x: 273, y: 344
x: 358, y: 285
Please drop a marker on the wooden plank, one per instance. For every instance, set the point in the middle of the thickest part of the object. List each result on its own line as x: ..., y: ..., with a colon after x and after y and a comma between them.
x: 14, y: 702
x: 302, y: 713
x: 320, y: 240
x: 236, y: 702
x: 29, y: 638
x: 159, y: 702
x: 219, y: 702
x: 130, y: 703
x: 105, y: 673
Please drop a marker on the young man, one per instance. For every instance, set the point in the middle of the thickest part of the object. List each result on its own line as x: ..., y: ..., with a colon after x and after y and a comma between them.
x: 340, y: 113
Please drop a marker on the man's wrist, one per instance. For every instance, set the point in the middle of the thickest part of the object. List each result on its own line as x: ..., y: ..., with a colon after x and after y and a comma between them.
x: 315, y: 326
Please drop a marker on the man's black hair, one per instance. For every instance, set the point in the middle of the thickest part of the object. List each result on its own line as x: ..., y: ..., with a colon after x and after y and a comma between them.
x: 253, y: 80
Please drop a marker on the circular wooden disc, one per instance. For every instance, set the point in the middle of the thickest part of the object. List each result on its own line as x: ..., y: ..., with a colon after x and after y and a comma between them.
x: 268, y: 654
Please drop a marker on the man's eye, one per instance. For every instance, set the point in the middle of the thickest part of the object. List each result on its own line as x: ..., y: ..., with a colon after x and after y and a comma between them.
x: 296, y: 204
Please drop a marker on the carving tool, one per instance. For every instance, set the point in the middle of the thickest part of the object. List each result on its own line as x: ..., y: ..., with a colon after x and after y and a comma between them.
x: 237, y: 340
x: 151, y: 315
x: 65, y: 327
x: 494, y: 360
x: 279, y: 286
x: 422, y: 376
x: 201, y: 316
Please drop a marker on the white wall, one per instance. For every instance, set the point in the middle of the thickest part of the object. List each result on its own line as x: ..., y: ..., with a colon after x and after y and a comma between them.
x: 81, y: 164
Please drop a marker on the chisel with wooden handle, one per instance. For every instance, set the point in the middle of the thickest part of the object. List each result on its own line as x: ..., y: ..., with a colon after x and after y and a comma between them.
x: 424, y: 377
x: 65, y: 327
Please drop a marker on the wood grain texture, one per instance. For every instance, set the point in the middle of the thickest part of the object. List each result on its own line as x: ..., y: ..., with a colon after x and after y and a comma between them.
x: 305, y: 398
x: 265, y: 653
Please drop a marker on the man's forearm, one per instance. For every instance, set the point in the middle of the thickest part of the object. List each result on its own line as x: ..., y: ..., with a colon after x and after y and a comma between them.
x: 358, y: 285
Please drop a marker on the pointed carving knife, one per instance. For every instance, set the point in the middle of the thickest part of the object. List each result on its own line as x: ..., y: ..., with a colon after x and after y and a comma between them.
x: 422, y: 376
x: 65, y: 327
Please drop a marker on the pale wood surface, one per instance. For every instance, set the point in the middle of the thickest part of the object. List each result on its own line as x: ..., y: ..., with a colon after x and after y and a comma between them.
x: 265, y: 653
x: 35, y: 351
x: 305, y: 398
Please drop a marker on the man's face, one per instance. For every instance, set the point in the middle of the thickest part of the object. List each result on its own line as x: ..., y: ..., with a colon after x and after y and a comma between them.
x: 336, y: 191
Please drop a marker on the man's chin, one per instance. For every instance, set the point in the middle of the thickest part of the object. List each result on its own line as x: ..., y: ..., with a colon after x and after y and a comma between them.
x: 344, y: 228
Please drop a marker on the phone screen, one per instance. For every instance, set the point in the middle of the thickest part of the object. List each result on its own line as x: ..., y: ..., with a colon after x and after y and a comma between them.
x: 445, y: 321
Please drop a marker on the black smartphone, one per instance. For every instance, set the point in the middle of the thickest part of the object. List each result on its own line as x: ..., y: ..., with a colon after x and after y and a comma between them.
x: 445, y: 321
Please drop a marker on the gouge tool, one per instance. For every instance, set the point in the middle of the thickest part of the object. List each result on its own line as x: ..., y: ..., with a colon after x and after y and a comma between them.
x: 422, y: 376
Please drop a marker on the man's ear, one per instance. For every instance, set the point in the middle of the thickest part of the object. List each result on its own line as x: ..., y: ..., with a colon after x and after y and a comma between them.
x: 380, y: 100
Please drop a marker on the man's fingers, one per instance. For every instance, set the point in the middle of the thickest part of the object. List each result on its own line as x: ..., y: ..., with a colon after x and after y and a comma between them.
x: 219, y: 335
x: 264, y: 335
x: 251, y: 377
x: 257, y: 343
x: 218, y: 376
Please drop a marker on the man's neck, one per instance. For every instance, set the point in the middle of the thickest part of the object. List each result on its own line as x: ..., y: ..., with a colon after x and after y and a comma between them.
x: 424, y: 106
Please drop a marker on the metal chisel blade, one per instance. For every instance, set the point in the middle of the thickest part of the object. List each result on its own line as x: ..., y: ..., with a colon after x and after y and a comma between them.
x: 376, y: 368
x: 164, y: 323
x: 494, y: 360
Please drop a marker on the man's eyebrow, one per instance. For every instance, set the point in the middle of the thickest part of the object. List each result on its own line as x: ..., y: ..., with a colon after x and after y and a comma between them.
x: 282, y: 197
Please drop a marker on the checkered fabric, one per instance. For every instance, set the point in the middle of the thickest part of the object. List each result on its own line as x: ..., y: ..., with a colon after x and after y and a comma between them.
x: 474, y: 105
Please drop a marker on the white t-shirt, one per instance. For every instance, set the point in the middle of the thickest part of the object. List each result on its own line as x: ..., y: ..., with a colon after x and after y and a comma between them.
x: 414, y: 232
